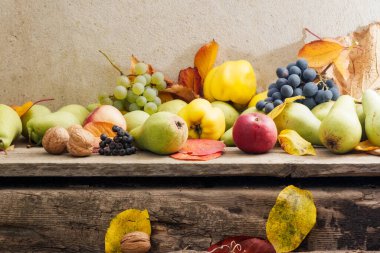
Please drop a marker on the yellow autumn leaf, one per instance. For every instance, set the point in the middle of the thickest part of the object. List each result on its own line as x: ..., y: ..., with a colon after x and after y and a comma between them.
x: 205, y: 58
x: 292, y: 143
x: 277, y: 110
x: 366, y: 146
x: 125, y: 222
x: 22, y: 109
x: 320, y: 53
x: 291, y: 219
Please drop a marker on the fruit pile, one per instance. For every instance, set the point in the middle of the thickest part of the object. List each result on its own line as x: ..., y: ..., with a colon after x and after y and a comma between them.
x: 121, y: 144
x: 136, y: 92
x: 297, y: 79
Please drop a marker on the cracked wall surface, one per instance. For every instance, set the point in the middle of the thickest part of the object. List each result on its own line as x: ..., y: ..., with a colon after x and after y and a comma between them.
x: 50, y: 48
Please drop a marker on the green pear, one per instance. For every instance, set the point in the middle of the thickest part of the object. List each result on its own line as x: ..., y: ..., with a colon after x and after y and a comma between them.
x: 299, y: 118
x: 34, y: 111
x: 341, y: 131
x: 92, y: 107
x: 361, y: 117
x: 39, y: 125
x: 10, y: 126
x: 227, y: 138
x: 135, y: 119
x: 321, y: 110
x: 371, y: 106
x: 173, y: 106
x: 162, y: 133
x: 79, y: 111
x: 230, y: 113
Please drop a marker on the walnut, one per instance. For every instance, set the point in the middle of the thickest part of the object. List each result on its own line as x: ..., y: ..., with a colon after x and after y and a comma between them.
x: 80, y: 142
x: 55, y: 140
x: 135, y: 242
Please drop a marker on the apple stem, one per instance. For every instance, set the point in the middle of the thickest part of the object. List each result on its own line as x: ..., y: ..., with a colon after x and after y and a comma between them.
x: 307, y: 30
x: 112, y: 63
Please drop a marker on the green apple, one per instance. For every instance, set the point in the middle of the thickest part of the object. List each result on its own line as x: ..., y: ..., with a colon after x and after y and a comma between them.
x: 79, y: 111
x: 33, y: 112
x: 229, y: 112
x: 173, y: 106
x: 92, y: 107
x: 135, y: 119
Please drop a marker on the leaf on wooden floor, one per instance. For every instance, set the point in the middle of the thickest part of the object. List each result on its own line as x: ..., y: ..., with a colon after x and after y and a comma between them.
x: 293, y: 143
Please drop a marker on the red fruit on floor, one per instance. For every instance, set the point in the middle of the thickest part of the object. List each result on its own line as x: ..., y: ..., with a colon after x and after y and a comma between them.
x: 254, y: 133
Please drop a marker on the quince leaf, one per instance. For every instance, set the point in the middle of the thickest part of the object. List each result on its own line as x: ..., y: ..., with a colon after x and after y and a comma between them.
x: 126, y: 222
x: 205, y: 58
x: 277, y: 110
x: 292, y: 143
x: 291, y: 219
x: 190, y: 78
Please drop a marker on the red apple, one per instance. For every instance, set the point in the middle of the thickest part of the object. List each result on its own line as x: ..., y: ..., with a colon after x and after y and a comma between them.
x: 254, y: 133
x: 107, y: 113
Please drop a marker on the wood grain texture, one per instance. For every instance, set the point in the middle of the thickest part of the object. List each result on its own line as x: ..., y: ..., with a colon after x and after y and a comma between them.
x: 75, y: 220
x: 23, y: 162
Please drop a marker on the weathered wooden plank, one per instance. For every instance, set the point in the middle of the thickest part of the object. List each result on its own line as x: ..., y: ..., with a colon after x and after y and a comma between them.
x: 75, y: 220
x: 33, y: 162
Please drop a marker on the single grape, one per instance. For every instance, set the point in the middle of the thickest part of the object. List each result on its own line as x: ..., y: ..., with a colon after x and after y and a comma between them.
x: 106, y: 101
x: 120, y: 92
x: 294, y: 80
x: 286, y: 91
x: 140, y: 79
x: 271, y: 91
x: 133, y: 107
x: 119, y: 104
x: 157, y: 78
x: 150, y: 108
x: 302, y: 64
x: 260, y: 105
x: 141, y: 101
x: 268, y: 107
x: 295, y: 70
x: 277, y: 102
x: 131, y: 97
x: 102, y: 96
x: 328, y: 95
x: 141, y: 68
x: 161, y: 86
x: 157, y: 101
x: 335, y: 93
x: 309, y: 102
x: 290, y: 65
x: 330, y: 83
x: 269, y: 99
x: 276, y: 95
x: 320, y: 97
x: 148, y: 78
x: 123, y: 81
x: 150, y: 94
x: 309, y: 75
x: 310, y: 89
x: 320, y: 85
x: 297, y: 92
x: 281, y: 82
x: 138, y: 88
x: 272, y: 85
x: 282, y: 72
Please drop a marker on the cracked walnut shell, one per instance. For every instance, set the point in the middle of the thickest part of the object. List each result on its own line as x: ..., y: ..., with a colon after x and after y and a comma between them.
x: 81, y: 141
x: 135, y: 242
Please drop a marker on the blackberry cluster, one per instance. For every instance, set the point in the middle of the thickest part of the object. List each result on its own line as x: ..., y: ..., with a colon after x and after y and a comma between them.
x: 121, y: 144
x: 297, y: 79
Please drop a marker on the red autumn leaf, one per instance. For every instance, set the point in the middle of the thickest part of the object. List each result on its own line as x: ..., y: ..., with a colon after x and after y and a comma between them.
x: 201, y: 147
x: 190, y: 78
x: 182, y: 92
x: 188, y: 157
x: 240, y: 244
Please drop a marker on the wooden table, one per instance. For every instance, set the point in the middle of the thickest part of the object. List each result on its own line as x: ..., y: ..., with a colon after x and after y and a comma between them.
x: 62, y: 204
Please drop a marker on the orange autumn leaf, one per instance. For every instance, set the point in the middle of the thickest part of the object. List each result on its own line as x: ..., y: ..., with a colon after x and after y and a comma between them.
x: 22, y: 109
x: 98, y: 128
x: 366, y: 146
x: 182, y: 92
x: 201, y: 147
x: 342, y: 63
x: 320, y: 53
x: 190, y: 78
x: 188, y: 157
x: 205, y: 58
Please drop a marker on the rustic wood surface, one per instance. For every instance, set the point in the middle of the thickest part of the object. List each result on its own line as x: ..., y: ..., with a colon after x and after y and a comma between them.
x: 23, y: 162
x: 75, y: 220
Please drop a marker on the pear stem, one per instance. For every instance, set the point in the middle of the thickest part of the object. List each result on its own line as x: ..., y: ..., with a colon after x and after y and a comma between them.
x: 112, y: 63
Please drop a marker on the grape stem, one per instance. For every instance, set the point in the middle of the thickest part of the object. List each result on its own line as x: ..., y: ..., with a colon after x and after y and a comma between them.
x: 307, y: 30
x: 112, y: 63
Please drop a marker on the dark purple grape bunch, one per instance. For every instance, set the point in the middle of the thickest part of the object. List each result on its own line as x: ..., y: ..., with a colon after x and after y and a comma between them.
x: 121, y: 144
x: 297, y: 79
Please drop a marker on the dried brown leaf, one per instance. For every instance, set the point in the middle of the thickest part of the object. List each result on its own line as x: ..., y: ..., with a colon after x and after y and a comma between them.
x: 182, y: 92
x: 190, y: 78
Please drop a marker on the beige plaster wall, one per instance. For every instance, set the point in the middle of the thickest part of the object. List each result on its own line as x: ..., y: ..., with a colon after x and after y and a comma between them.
x: 49, y: 48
